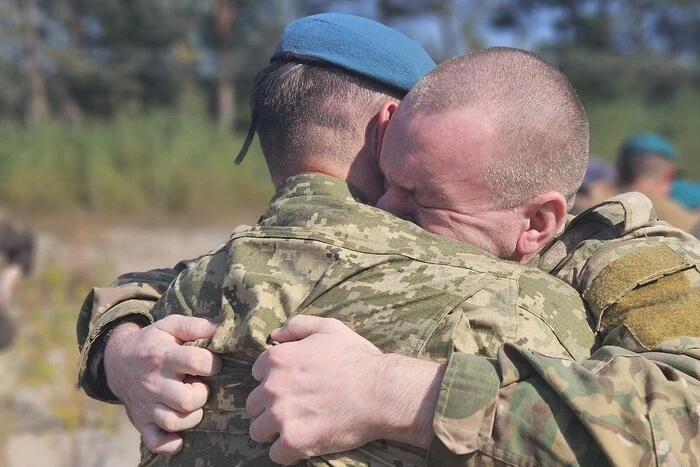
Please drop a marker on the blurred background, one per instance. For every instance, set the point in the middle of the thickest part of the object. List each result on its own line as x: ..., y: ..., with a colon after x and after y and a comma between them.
x: 120, y: 120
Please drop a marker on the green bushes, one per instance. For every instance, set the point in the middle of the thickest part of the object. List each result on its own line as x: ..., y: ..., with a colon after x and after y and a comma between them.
x: 155, y: 163
x: 678, y: 119
x: 176, y: 163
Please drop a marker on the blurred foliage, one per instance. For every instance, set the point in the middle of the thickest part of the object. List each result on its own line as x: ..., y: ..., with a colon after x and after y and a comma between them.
x: 159, y: 162
x: 677, y: 118
x: 45, y: 352
x: 132, y: 88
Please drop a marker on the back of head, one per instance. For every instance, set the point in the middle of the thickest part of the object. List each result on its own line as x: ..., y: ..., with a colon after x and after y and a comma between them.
x: 645, y: 156
x: 539, y: 123
x: 328, y: 77
x: 314, y: 111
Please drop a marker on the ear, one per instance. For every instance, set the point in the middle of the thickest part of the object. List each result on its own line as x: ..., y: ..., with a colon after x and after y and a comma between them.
x: 385, y: 113
x: 545, y: 213
x: 667, y: 180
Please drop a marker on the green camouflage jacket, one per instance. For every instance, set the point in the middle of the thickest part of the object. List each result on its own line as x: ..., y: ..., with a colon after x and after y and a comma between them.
x: 635, y: 401
x: 318, y: 251
x: 139, y: 302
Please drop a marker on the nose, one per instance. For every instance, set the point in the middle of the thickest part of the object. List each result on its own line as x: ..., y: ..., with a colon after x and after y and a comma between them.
x: 397, y: 202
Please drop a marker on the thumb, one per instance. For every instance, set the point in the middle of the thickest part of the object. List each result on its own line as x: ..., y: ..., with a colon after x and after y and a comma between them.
x: 186, y: 328
x: 302, y: 326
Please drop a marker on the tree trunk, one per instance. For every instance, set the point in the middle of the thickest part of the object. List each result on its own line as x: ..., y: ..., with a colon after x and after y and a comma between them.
x: 226, y: 94
x: 38, y: 111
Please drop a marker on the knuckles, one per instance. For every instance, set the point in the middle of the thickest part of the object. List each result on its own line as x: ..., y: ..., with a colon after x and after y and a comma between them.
x: 170, y: 423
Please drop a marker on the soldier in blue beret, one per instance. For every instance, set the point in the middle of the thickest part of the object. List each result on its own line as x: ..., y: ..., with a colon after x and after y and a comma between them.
x: 647, y: 158
x: 647, y: 162
x: 315, y: 108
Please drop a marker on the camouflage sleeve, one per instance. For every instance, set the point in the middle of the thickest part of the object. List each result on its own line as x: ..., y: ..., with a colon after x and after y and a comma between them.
x: 129, y: 298
x: 618, y: 407
x: 631, y: 269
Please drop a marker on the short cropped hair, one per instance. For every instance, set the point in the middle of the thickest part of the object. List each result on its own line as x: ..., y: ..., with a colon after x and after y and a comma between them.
x: 632, y: 167
x: 312, y: 109
x: 542, y: 126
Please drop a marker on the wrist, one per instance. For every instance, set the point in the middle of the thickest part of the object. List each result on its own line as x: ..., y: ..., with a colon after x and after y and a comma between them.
x: 113, y: 352
x: 406, y: 393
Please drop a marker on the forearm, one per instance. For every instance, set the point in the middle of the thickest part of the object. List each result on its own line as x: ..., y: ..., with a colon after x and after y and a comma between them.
x: 104, y: 304
x: 551, y: 411
x: 130, y: 298
x: 406, y: 395
x: 92, y: 376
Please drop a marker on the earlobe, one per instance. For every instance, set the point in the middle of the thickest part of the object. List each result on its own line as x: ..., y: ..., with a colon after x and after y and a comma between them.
x: 546, y: 213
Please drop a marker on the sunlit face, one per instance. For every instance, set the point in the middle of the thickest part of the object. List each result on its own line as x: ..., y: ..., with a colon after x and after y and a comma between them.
x: 432, y: 166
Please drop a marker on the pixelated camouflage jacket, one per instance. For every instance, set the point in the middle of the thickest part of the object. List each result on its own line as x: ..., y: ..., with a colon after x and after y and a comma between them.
x: 132, y: 295
x: 318, y: 251
x: 635, y: 401
x: 599, y: 240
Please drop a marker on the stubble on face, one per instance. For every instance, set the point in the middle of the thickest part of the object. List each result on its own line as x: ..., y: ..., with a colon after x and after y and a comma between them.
x: 433, y: 165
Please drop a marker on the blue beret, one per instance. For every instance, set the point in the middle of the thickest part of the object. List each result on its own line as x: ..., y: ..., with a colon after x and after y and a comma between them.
x: 644, y: 143
x: 686, y: 193
x: 356, y: 44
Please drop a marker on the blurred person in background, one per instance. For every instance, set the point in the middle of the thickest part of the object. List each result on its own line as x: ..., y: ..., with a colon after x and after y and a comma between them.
x: 17, y: 258
x: 687, y: 193
x: 599, y: 183
x: 647, y: 162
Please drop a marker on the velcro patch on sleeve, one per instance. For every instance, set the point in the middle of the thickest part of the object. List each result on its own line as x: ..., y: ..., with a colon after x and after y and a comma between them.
x: 629, y: 272
x: 659, y: 311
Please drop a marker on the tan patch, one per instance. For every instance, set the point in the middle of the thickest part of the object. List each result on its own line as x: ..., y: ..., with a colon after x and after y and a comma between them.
x: 662, y: 310
x: 630, y: 271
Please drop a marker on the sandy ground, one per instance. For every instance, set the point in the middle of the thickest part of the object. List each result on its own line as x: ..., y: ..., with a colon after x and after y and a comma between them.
x: 29, y: 433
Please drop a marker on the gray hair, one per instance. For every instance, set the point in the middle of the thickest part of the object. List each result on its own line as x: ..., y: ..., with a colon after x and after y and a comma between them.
x: 542, y: 128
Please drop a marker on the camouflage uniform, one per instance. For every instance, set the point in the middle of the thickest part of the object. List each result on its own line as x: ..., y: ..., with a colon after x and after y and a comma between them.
x: 318, y: 251
x: 101, y: 300
x: 634, y: 401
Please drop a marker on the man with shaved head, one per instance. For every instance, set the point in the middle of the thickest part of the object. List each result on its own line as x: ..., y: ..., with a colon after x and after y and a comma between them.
x: 456, y: 160
x: 497, y: 147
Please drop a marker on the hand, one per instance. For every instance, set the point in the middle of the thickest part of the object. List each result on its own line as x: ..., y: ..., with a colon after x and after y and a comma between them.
x: 332, y: 390
x: 151, y: 372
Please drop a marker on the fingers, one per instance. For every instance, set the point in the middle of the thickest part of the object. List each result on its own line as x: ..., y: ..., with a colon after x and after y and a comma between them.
x: 186, y: 328
x: 282, y: 453
x: 302, y: 326
x: 263, y: 429
x: 172, y: 421
x: 183, y: 397
x: 160, y: 442
x: 255, y: 403
x: 261, y: 366
x: 187, y: 360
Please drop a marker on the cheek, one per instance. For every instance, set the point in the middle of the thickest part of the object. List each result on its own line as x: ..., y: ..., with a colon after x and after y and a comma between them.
x: 433, y: 222
x: 446, y: 226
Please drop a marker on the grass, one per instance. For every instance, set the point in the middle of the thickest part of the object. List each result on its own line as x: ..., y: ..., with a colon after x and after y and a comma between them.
x: 156, y: 163
x: 46, y: 351
x: 174, y: 163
